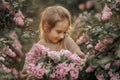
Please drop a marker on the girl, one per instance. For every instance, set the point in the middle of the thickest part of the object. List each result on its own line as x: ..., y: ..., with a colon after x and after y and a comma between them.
x: 55, y: 21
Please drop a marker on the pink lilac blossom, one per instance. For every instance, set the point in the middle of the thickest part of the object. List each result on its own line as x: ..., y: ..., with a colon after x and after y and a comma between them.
x: 110, y: 73
x: 107, y: 40
x: 19, y: 18
x: 61, y: 71
x: 75, y: 58
x: 15, y: 73
x: 89, y: 46
x: 117, y: 63
x: 89, y: 4
x: 16, y: 43
x: 89, y: 69
x: 74, y: 71
x: 5, y: 5
x: 98, y: 16
x: 35, y: 54
x: 106, y: 13
x: 99, y: 76
x: 31, y: 69
x: 2, y: 58
x: 82, y: 39
x: 5, y: 69
x: 38, y: 48
x: 65, y: 53
x: 78, y: 21
x: 100, y: 47
x: 30, y: 19
x: 54, y: 55
x: 115, y: 76
x: 31, y: 58
x: 39, y: 71
x: 107, y: 66
x: 9, y: 52
x: 19, y: 21
x: 117, y: 1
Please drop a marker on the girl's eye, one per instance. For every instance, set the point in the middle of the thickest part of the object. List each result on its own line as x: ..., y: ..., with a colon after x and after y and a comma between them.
x: 58, y: 32
x: 61, y: 32
x: 65, y: 32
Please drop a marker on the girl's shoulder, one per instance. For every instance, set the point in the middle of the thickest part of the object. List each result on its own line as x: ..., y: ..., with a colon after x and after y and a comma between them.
x: 68, y: 39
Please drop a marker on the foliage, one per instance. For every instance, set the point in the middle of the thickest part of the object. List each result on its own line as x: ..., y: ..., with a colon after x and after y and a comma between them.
x: 100, y: 39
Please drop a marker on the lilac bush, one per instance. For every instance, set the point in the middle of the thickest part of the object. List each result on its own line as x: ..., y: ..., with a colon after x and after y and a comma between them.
x: 99, y: 38
x: 12, y: 21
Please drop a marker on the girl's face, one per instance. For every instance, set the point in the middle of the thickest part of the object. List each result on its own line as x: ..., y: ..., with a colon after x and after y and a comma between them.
x: 57, y: 33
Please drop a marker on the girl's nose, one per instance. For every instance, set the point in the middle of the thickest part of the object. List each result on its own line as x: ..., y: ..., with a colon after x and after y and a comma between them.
x: 62, y: 36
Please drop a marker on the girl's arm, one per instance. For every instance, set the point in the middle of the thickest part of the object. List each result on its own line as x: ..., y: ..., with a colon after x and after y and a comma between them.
x: 73, y: 47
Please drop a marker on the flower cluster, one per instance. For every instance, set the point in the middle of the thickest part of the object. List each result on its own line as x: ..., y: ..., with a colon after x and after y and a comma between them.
x: 109, y: 70
x: 11, y: 22
x: 42, y: 62
x: 100, y: 40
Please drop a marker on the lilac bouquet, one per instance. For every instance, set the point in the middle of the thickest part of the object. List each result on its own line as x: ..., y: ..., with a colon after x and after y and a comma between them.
x: 44, y: 64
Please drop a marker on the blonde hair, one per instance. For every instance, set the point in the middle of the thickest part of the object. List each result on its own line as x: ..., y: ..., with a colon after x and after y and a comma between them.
x: 51, y: 15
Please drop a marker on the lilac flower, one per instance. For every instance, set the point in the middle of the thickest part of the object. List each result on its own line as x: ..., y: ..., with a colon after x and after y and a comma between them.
x: 30, y: 19
x: 31, y: 69
x: 107, y: 40
x: 117, y: 63
x: 66, y: 53
x: 9, y: 52
x: 110, y: 73
x: 5, y: 69
x: 74, y: 71
x: 31, y: 58
x: 89, y: 69
x: 89, y: 46
x: 5, y: 5
x: 61, y: 71
x: 39, y: 71
x: 117, y: 1
x: 106, y: 13
x: 54, y: 55
x: 38, y: 48
x: 107, y: 66
x: 2, y: 58
x: 36, y: 53
x: 115, y: 76
x: 100, y: 46
x: 18, y: 19
x: 75, y: 58
x: 82, y: 39
x: 16, y: 43
x: 15, y: 72
x: 99, y: 76
x: 78, y: 21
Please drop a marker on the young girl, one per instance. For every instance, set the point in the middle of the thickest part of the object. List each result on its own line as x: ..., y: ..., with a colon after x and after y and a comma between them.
x: 55, y: 21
